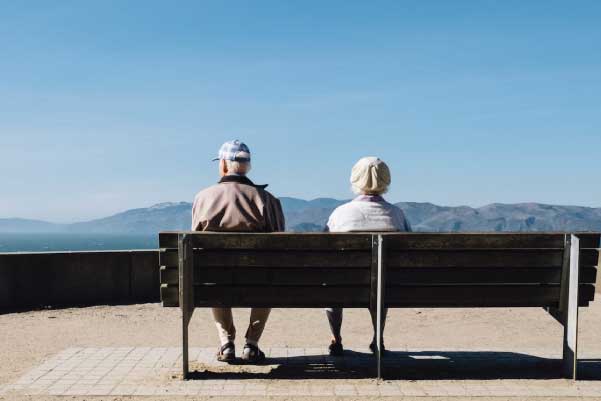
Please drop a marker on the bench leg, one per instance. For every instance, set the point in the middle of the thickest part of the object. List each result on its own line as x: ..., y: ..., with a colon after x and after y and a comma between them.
x: 376, y: 321
x: 379, y: 307
x: 185, y: 323
x: 379, y: 342
x: 570, y: 313
x: 186, y: 295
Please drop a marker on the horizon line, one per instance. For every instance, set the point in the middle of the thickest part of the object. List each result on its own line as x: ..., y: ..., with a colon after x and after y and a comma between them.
x: 292, y: 197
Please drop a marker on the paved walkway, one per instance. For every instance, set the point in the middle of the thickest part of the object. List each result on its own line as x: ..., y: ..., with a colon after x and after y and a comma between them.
x: 306, y: 372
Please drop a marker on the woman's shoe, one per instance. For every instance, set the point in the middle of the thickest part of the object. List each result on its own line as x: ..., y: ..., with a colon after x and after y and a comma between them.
x: 336, y: 348
x: 374, y: 349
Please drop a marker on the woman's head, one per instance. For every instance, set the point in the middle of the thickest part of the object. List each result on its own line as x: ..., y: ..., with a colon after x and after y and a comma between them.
x: 370, y: 176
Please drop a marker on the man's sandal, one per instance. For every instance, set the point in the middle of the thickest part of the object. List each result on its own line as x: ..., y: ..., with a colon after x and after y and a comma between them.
x: 227, y: 353
x: 252, y: 354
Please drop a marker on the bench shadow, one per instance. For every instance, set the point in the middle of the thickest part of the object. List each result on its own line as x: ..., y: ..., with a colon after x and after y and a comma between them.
x: 423, y: 365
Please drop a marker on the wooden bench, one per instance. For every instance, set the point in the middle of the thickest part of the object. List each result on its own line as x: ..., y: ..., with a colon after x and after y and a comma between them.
x: 554, y: 271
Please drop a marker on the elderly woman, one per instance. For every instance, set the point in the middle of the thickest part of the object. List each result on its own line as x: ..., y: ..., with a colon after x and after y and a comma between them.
x: 369, y: 211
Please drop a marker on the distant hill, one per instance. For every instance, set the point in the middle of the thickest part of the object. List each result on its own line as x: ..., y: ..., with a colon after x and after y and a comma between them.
x: 303, y: 215
x: 16, y: 225
x: 163, y: 216
x: 499, y: 217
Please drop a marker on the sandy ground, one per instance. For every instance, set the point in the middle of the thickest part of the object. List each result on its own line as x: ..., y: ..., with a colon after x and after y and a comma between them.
x: 27, y: 338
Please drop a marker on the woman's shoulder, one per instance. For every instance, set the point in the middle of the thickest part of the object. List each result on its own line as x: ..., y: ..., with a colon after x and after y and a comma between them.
x: 342, y: 214
x: 348, y: 207
x: 398, y: 215
x: 404, y: 224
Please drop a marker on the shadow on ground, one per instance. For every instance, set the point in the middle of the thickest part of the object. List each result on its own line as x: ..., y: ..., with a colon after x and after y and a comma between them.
x: 424, y: 365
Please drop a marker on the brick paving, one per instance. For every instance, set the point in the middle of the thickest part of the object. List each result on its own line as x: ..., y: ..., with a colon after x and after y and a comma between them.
x: 306, y: 372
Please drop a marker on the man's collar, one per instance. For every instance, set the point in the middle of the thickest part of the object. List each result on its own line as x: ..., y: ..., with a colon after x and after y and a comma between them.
x: 240, y: 179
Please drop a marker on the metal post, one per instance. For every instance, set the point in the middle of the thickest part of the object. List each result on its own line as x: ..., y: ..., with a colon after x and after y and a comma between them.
x: 380, y: 300
x: 186, y: 299
x: 570, y: 336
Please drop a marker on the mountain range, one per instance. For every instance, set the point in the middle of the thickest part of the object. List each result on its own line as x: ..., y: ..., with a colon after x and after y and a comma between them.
x: 303, y: 215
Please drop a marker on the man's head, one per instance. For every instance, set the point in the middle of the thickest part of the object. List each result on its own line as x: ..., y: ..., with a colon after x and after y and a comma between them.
x: 370, y: 176
x: 234, y: 158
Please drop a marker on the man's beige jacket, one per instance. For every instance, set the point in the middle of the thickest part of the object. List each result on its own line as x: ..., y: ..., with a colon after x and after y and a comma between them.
x: 236, y: 204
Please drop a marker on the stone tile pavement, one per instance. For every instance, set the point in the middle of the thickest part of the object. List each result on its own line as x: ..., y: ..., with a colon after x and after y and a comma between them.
x: 306, y: 372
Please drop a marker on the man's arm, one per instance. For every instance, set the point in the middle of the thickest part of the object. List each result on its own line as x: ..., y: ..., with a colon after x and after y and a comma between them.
x: 280, y: 221
x: 196, y: 218
x: 406, y: 222
x: 274, y: 215
x: 193, y: 228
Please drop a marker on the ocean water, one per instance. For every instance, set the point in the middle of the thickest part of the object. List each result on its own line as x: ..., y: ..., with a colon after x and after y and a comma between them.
x: 20, y: 242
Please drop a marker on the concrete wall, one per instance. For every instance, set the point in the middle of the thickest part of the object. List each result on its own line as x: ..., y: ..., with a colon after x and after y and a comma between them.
x: 598, y: 285
x: 31, y: 280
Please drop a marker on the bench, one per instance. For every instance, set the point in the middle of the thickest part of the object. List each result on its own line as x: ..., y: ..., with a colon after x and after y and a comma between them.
x: 554, y: 271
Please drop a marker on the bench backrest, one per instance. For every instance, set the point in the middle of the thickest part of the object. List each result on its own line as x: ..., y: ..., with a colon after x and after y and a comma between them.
x: 484, y: 270
x: 418, y: 270
x: 292, y: 270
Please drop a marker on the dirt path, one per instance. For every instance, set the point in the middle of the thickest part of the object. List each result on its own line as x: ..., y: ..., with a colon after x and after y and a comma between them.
x: 26, y: 339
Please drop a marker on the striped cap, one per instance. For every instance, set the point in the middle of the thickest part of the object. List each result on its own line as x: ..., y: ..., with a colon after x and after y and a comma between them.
x: 234, y: 151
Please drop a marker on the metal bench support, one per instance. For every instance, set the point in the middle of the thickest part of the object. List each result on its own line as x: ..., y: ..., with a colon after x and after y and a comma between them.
x: 377, y: 296
x: 569, y: 307
x: 380, y: 303
x: 186, y: 294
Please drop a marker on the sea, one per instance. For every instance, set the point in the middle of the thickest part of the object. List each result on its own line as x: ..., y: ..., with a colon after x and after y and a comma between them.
x: 55, y: 242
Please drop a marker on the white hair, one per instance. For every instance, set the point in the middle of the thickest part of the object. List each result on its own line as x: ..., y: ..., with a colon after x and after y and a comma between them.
x: 370, y: 176
x: 236, y: 167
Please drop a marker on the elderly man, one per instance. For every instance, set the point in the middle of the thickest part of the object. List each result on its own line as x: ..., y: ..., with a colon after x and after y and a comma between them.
x: 236, y: 204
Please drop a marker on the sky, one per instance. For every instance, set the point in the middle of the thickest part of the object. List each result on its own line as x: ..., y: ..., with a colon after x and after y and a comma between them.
x: 111, y: 105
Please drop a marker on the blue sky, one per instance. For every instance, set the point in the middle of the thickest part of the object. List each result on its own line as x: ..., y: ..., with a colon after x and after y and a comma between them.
x: 109, y: 105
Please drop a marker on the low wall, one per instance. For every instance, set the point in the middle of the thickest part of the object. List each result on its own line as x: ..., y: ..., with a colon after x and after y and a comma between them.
x: 598, y: 284
x: 31, y: 280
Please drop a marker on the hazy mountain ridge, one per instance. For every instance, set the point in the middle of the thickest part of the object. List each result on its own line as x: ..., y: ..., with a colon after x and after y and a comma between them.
x: 303, y: 215
x: 506, y: 217
x: 18, y: 225
x: 162, y: 216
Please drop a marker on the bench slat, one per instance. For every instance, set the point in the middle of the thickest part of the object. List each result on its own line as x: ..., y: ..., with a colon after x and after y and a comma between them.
x: 283, y: 276
x: 294, y: 297
x: 589, y: 257
x: 476, y: 276
x: 168, y: 257
x: 395, y: 277
x: 590, y: 241
x: 474, y: 241
x: 475, y: 258
x: 269, y: 258
x: 414, y: 297
x: 168, y: 240
x: 356, y: 259
x: 169, y: 275
x: 284, y: 241
x: 481, y: 296
x: 169, y: 295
